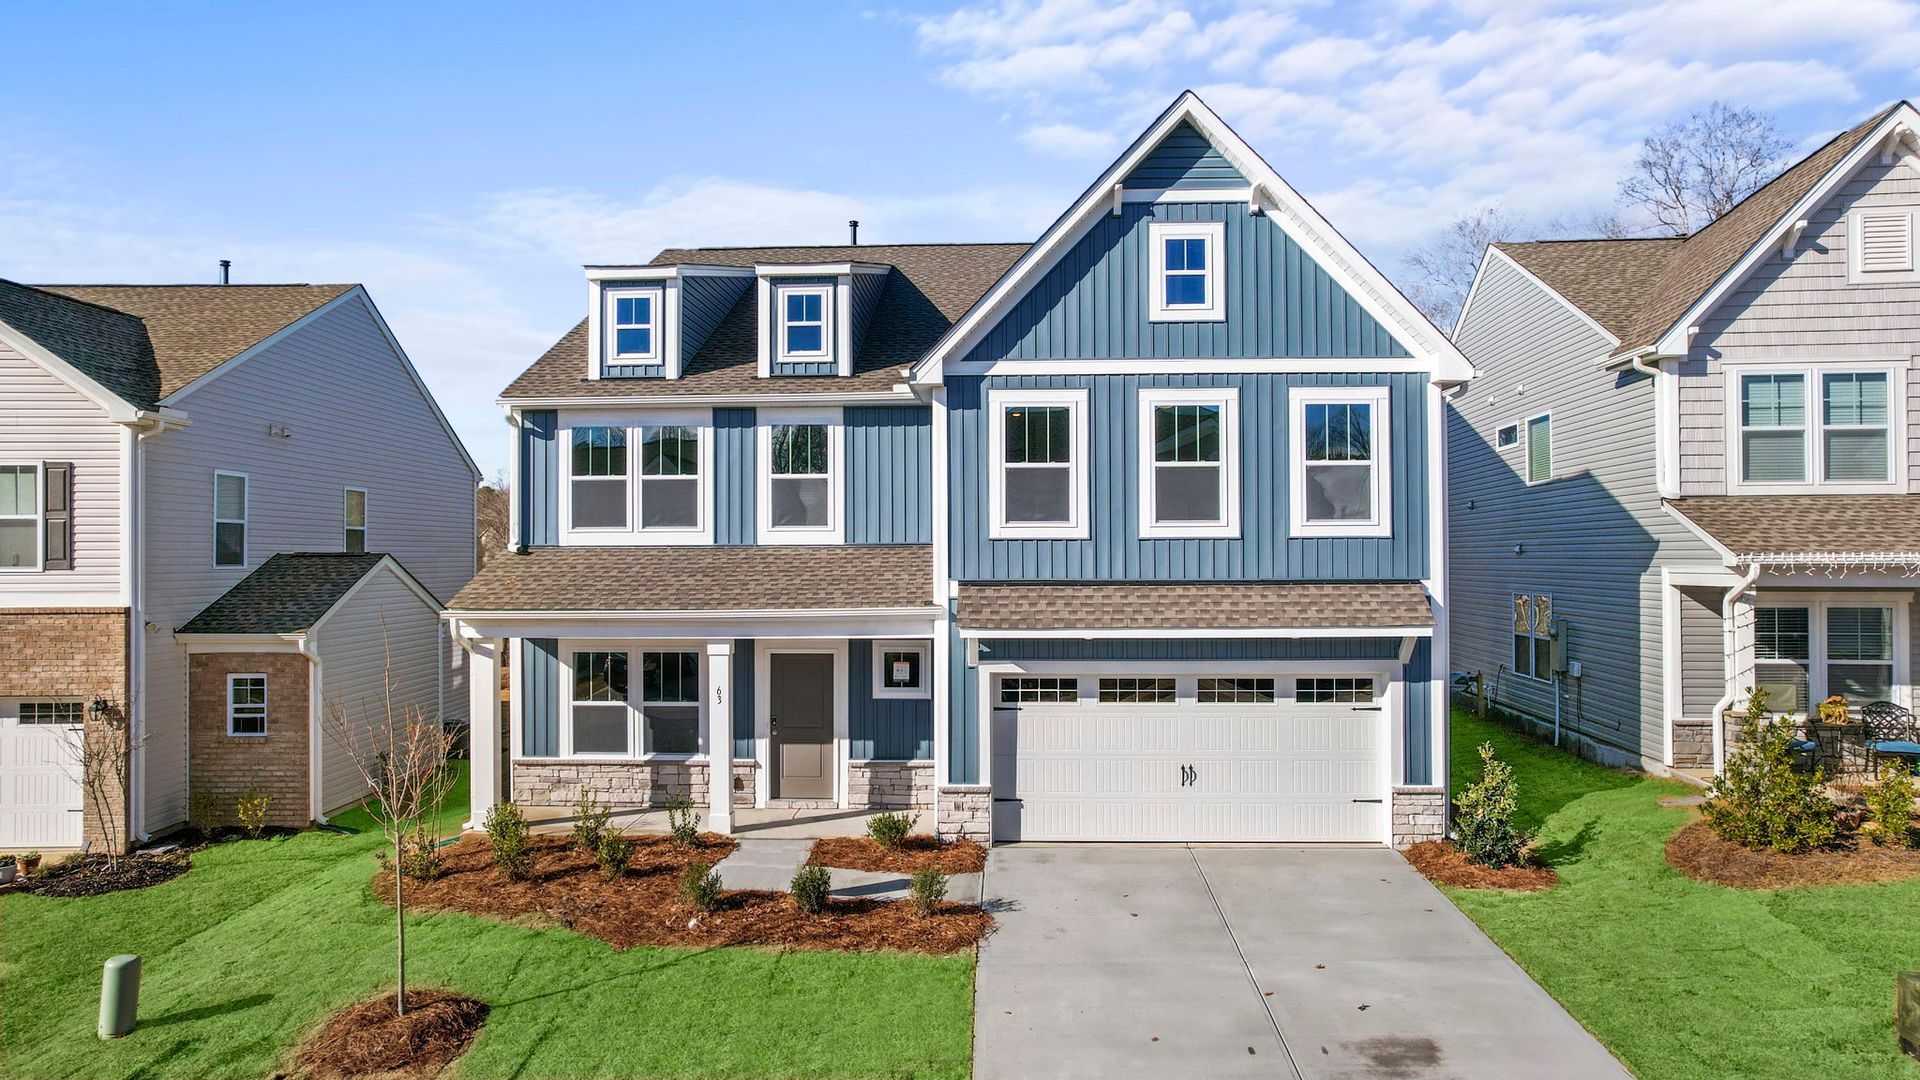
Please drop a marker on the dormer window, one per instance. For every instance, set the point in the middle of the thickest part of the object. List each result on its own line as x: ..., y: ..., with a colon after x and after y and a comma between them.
x: 633, y: 325
x: 1184, y: 260
x: 803, y: 323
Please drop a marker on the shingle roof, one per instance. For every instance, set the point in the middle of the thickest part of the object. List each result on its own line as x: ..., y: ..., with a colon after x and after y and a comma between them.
x: 1808, y: 524
x: 647, y: 579
x: 930, y: 286
x: 1273, y: 606
x: 110, y: 347
x: 289, y: 593
x: 196, y: 328
x: 1638, y: 289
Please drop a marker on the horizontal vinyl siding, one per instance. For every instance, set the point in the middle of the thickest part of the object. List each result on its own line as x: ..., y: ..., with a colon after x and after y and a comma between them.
x: 889, y: 489
x: 1703, y: 663
x: 385, y: 622
x: 1262, y: 552
x: 1093, y: 304
x: 44, y: 420
x: 896, y: 729
x: 1184, y: 159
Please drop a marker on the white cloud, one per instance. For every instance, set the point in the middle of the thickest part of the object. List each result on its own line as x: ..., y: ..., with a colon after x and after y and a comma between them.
x: 1068, y: 141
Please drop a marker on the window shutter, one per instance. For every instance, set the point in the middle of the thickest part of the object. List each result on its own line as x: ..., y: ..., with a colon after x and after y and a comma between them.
x: 58, y: 520
x: 1886, y: 242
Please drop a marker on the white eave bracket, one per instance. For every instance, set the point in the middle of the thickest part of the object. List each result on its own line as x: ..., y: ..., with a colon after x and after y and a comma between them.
x: 1791, y: 242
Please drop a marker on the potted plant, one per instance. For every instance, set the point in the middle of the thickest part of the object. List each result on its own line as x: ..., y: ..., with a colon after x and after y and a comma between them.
x: 25, y: 863
x: 1833, y: 710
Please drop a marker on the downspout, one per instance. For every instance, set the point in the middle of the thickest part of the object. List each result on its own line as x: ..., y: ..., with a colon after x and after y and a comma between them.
x: 133, y: 548
x: 1662, y: 422
x: 310, y: 650
x: 1726, y: 701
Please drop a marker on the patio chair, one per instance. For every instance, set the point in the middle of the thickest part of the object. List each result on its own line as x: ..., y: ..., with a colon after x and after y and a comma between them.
x: 1889, y: 729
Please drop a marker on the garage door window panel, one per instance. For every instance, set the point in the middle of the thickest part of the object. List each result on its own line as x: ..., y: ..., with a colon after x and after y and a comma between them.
x: 1136, y: 691
x: 1236, y: 692
x: 1319, y: 691
x: 1015, y: 691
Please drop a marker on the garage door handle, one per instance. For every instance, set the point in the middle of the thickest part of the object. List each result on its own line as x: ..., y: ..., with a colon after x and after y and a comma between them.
x: 1367, y: 800
x: 1366, y: 708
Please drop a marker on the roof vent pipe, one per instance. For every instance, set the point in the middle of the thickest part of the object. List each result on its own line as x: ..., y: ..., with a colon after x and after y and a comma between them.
x: 855, y: 227
x: 225, y: 265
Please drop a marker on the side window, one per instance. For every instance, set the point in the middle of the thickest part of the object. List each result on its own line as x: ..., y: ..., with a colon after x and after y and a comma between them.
x: 1773, y: 428
x: 20, y: 531
x: 1533, y: 636
x: 1339, y: 469
x: 598, y: 489
x: 1038, y: 444
x: 356, y: 520
x: 600, y: 713
x: 1187, y: 282
x: 230, y: 499
x: 1539, y: 449
x: 900, y: 669
x: 670, y: 702
x: 247, y: 705
x: 1189, y: 472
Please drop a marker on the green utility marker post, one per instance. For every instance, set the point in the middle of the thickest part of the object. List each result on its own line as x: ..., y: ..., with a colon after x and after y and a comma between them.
x: 119, y: 996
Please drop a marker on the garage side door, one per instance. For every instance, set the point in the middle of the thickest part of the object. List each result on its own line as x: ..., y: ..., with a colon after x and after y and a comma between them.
x: 40, y: 796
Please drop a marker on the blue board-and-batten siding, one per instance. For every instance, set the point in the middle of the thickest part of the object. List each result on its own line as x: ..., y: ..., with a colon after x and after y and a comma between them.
x: 633, y: 371
x: 866, y: 298
x: 705, y: 299
x: 894, y: 729
x: 1263, y: 551
x: 539, y: 492
x: 539, y: 697
x: 1093, y: 303
x: 1185, y: 159
x: 889, y: 453
x: 1417, y: 717
x: 743, y: 698
x: 736, y: 445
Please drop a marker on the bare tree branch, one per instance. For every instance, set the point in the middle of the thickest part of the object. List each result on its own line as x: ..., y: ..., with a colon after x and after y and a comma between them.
x: 491, y: 517
x: 102, y: 757
x: 1439, y: 273
x: 1692, y: 171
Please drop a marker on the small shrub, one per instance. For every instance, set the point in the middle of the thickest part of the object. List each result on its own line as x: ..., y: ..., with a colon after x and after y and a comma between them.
x: 926, y: 889
x: 810, y: 887
x: 1759, y: 801
x: 590, y: 821
x: 683, y: 821
x: 251, y: 810
x: 1483, y: 818
x: 420, y: 854
x: 203, y: 811
x: 701, y: 885
x: 512, y: 840
x: 612, y: 853
x: 1890, y: 802
x: 890, y: 830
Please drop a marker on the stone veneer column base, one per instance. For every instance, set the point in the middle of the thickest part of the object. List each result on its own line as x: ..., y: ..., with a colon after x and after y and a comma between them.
x: 617, y: 784
x: 964, y: 811
x: 1419, y: 814
x: 1693, y: 744
x: 889, y: 785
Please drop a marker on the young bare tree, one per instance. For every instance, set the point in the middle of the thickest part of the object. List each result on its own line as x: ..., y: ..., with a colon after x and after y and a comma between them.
x: 1439, y: 272
x: 402, y: 755
x: 491, y: 517
x: 1692, y: 171
x: 102, y: 757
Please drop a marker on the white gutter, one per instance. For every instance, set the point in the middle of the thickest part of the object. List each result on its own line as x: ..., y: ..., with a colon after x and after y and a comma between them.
x: 807, y: 614
x: 308, y: 647
x: 1665, y: 423
x: 1733, y: 652
x: 898, y: 394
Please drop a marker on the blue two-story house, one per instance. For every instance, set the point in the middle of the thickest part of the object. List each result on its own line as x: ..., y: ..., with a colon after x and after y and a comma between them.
x: 1134, y: 533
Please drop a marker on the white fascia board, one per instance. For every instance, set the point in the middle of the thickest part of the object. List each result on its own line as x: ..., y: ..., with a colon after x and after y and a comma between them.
x: 899, y: 395
x: 918, y: 622
x: 920, y: 612
x: 243, y: 643
x: 1270, y: 365
x: 1101, y: 633
x: 1292, y: 213
x: 119, y: 409
x: 652, y: 272
x: 833, y: 269
x: 1674, y: 340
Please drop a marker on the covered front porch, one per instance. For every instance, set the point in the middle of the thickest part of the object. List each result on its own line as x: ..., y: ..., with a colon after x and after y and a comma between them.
x: 771, y: 822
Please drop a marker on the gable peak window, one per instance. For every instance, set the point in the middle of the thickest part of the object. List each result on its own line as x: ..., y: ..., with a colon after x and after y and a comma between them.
x: 1184, y: 264
x: 1038, y: 442
x: 1189, y: 472
x: 1339, y: 473
x: 356, y: 520
x: 229, y: 519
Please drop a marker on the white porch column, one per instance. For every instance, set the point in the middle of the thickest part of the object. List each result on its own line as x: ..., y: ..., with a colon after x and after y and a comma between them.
x: 483, y: 729
x: 720, y: 737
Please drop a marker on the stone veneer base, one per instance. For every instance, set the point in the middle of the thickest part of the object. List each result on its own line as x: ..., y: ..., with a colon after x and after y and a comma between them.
x: 1419, y: 814
x: 870, y: 784
x: 964, y: 811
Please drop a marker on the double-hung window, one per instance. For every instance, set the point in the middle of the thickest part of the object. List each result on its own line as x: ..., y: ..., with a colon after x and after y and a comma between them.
x: 1184, y: 262
x: 597, y: 492
x: 803, y: 332
x: 356, y: 520
x: 1817, y: 426
x: 1037, y: 443
x: 1540, y: 449
x: 670, y: 701
x: 247, y: 706
x: 20, y: 529
x: 670, y: 477
x: 601, y: 718
x: 801, y: 481
x: 1773, y: 428
x: 1339, y: 479
x: 633, y: 325
x: 1854, y: 427
x: 1807, y: 651
x: 1533, y: 636
x: 1859, y: 642
x: 1783, y: 657
x: 1189, y: 468
x: 229, y: 519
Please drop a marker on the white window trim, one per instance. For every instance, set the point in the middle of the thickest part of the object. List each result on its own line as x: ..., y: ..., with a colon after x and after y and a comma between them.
x: 881, y: 691
x: 1526, y: 456
x: 636, y: 719
x: 1856, y: 275
x: 610, y: 295
x: 245, y: 521
x: 1079, y: 525
x: 1228, y: 401
x: 1215, y: 234
x: 835, y: 530
x: 1516, y: 427
x: 266, y: 687
x: 1380, y: 523
x: 39, y: 517
x: 1814, y: 446
x: 366, y: 516
x: 825, y: 354
x: 636, y: 425
x: 1817, y: 604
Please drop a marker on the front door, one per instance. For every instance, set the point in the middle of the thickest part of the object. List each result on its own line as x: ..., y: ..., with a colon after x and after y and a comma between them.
x: 800, y: 722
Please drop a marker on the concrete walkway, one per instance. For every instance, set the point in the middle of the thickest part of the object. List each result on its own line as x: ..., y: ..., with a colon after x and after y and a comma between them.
x: 1322, y: 963
x: 769, y: 864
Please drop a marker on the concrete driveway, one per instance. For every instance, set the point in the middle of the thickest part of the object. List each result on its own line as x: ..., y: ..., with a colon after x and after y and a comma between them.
x: 1132, y: 961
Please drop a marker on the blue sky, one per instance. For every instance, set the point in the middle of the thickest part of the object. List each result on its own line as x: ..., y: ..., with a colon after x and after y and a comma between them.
x: 464, y: 160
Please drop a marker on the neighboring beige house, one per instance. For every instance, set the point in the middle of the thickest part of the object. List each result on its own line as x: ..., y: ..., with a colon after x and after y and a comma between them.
x: 191, y: 481
x: 1687, y: 467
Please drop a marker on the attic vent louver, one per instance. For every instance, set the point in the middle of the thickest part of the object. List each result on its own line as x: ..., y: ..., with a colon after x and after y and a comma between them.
x: 1886, y: 242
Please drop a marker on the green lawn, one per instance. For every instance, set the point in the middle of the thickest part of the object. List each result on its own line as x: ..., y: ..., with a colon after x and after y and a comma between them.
x: 263, y: 938
x: 1677, y: 978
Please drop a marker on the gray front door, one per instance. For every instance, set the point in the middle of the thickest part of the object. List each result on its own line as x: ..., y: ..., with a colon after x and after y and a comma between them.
x: 801, y: 720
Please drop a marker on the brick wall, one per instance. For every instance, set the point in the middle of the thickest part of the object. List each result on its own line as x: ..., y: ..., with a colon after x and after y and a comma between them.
x: 73, y: 653
x: 223, y: 766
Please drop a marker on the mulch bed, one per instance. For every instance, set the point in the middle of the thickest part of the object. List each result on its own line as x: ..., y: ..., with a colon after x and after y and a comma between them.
x: 1448, y: 865
x: 368, y: 1039
x: 1700, y: 853
x: 567, y: 889
x: 914, y: 853
x: 90, y: 875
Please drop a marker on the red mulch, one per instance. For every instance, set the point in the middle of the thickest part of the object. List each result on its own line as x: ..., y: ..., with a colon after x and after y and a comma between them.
x: 1701, y: 854
x: 367, y: 1039
x: 567, y: 889
x: 1448, y: 865
x: 914, y: 853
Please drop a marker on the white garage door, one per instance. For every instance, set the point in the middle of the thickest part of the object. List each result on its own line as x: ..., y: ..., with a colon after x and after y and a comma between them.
x: 40, y: 798
x: 1280, y: 758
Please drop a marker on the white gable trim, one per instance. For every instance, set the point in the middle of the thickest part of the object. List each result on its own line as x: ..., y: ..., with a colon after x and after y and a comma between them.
x: 1292, y: 213
x: 1902, y: 125
x: 118, y: 408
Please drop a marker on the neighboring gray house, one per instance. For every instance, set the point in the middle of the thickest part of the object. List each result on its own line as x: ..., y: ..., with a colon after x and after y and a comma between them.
x: 159, y: 447
x: 1686, y: 466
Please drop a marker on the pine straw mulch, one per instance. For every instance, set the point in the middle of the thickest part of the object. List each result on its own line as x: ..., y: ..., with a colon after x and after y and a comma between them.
x: 90, y: 875
x: 366, y: 1039
x: 914, y: 853
x: 1701, y: 854
x: 567, y: 889
x: 1447, y: 865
